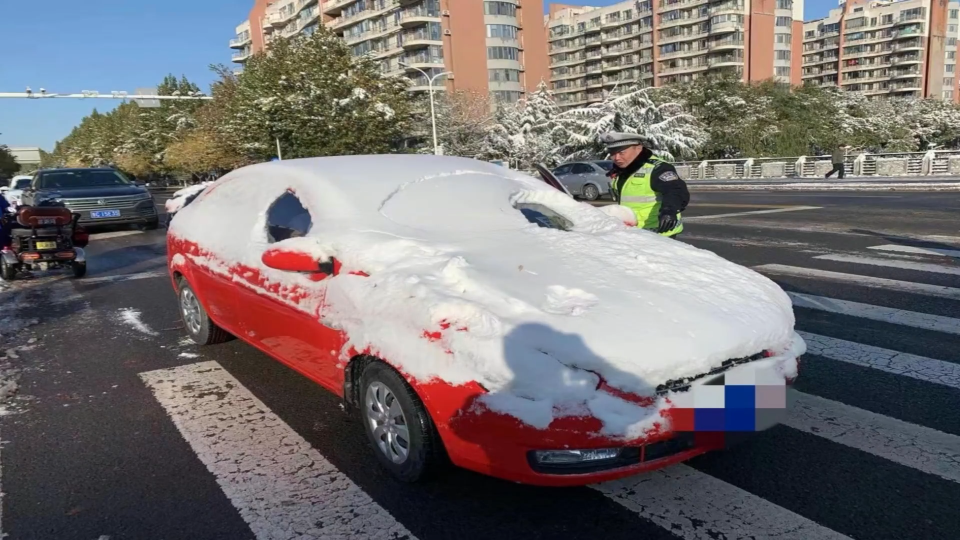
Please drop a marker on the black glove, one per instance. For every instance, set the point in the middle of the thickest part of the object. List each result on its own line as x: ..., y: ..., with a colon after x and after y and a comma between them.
x: 667, y: 223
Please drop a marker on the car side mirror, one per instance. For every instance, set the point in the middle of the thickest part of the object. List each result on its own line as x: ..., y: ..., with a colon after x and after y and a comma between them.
x: 303, y: 255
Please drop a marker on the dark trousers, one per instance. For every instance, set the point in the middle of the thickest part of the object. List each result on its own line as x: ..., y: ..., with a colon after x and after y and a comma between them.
x: 837, y: 167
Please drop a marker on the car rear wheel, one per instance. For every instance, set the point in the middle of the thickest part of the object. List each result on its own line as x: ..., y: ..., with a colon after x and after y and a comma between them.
x: 398, y: 426
x: 79, y: 269
x: 7, y: 271
x: 591, y: 192
x: 200, y: 328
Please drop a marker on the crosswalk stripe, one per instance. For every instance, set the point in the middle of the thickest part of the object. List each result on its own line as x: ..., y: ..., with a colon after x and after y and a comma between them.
x: 863, y: 281
x: 694, y: 505
x: 917, y: 447
x: 914, y: 319
x: 918, y: 250
x: 891, y: 263
x: 907, y: 365
x: 281, y: 486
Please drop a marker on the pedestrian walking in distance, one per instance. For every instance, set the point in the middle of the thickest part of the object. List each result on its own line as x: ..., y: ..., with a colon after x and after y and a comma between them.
x: 646, y: 184
x: 839, y: 157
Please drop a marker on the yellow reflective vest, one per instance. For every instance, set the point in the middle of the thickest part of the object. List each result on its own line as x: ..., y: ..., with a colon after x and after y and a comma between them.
x: 637, y: 194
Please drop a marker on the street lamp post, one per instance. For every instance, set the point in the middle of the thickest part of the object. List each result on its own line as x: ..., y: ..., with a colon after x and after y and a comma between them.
x: 433, y: 112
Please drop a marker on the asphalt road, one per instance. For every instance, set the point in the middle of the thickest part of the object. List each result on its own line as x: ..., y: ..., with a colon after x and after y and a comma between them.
x: 871, y: 449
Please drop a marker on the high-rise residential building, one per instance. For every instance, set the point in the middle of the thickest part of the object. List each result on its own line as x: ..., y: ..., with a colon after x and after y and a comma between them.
x: 906, y: 48
x: 243, y: 43
x: 659, y: 42
x: 496, y: 48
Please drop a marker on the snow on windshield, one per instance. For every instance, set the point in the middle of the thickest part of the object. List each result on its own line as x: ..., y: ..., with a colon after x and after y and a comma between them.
x: 535, y: 314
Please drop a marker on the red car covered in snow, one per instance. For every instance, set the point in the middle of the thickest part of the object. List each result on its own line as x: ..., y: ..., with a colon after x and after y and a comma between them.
x: 468, y: 312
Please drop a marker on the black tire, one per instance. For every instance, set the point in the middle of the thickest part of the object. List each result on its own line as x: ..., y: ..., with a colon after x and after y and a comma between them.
x: 152, y: 225
x: 7, y: 271
x: 201, y: 331
x: 79, y: 269
x: 591, y: 192
x: 425, y: 453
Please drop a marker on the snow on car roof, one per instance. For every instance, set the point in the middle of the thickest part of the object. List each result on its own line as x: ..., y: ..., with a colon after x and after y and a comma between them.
x: 547, y: 311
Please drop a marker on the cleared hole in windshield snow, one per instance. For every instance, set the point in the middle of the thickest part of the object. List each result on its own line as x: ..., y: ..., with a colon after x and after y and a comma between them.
x: 542, y: 216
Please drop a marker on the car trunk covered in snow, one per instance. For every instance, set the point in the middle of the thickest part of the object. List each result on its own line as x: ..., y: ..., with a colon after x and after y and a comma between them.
x: 537, y: 315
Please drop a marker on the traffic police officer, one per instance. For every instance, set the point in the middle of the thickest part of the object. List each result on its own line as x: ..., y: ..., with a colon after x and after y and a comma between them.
x: 645, y: 184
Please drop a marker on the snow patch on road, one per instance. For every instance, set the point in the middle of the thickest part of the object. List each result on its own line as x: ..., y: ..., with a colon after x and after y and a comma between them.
x: 131, y: 318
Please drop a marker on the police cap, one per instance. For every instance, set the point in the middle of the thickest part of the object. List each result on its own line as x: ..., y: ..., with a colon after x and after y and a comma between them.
x: 615, y: 140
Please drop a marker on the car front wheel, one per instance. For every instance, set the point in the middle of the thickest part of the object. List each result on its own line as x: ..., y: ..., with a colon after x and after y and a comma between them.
x: 200, y: 328
x: 398, y: 426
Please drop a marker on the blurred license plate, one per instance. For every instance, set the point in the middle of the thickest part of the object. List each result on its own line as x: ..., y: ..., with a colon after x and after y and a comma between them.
x: 46, y: 245
x: 105, y: 213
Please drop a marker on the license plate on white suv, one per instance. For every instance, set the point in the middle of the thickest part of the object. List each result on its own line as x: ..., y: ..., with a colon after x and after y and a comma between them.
x: 104, y: 213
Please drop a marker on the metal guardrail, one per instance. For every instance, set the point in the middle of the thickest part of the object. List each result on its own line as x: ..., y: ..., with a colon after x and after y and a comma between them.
x: 903, y: 164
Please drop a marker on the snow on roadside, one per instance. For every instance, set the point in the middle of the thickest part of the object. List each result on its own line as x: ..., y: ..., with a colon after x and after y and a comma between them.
x: 131, y: 318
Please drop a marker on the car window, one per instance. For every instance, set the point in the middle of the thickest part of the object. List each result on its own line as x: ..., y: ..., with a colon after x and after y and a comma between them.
x: 80, y: 179
x: 542, y: 216
x: 22, y: 183
x: 565, y: 169
x: 287, y: 218
x: 605, y: 165
x: 582, y: 168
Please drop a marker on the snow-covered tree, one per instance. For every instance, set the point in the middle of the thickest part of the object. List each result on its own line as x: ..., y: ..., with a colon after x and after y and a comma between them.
x: 670, y: 131
x: 316, y: 98
x: 463, y: 119
x: 526, y: 133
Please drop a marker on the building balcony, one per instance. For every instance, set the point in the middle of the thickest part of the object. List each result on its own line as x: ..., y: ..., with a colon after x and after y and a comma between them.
x: 689, y: 68
x: 421, y: 39
x: 725, y: 61
x: 242, y: 56
x: 335, y: 7
x: 726, y: 27
x: 725, y: 44
x: 239, y: 43
x: 415, y: 17
x: 422, y: 61
x: 682, y: 53
x: 912, y: 74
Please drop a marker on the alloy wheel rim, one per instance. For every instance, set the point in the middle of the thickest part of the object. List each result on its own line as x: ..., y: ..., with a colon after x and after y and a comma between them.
x: 387, y: 422
x: 191, y: 310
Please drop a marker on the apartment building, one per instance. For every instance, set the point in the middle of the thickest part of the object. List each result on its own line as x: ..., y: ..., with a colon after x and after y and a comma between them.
x: 905, y: 48
x: 243, y: 43
x: 660, y: 42
x: 497, y: 48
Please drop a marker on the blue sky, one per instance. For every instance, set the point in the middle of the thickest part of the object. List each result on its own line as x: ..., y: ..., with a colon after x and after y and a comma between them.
x: 104, y: 45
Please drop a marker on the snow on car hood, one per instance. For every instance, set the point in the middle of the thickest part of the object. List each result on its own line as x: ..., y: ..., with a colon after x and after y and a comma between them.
x: 463, y: 288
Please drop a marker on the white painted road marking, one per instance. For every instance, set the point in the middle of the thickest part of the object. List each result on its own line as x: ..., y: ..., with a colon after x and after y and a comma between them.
x: 776, y: 211
x: 877, y: 313
x: 917, y: 447
x: 114, y: 234
x: 863, y: 281
x: 126, y: 277
x: 892, y: 263
x: 898, y: 363
x: 282, y: 487
x: 918, y: 250
x: 694, y: 505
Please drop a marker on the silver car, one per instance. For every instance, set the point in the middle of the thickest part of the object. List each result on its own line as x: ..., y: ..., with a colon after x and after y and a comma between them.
x: 586, y: 179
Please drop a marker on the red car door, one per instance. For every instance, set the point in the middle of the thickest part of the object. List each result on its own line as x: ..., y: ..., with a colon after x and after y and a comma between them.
x: 292, y: 335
